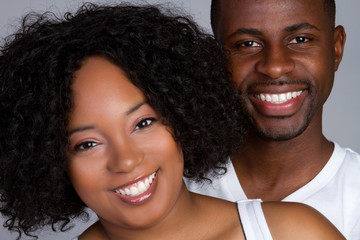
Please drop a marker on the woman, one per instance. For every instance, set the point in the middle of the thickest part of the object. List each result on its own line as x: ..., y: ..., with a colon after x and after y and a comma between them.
x: 108, y: 109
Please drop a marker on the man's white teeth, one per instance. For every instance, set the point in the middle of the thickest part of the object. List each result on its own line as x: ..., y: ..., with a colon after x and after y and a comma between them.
x: 278, y: 98
x: 137, y: 188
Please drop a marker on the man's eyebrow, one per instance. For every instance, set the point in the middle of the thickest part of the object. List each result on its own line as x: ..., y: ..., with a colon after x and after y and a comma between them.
x: 250, y: 31
x: 299, y: 26
x: 292, y: 28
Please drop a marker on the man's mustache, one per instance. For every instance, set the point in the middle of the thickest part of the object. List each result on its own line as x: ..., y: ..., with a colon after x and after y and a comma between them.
x: 271, y: 82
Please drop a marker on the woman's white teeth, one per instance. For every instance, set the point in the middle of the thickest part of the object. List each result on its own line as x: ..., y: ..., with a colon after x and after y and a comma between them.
x: 134, y: 191
x: 137, y: 188
x: 278, y: 98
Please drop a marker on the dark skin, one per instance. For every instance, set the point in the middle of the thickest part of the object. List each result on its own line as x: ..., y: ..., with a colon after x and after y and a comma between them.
x: 293, y: 56
x: 308, y: 224
x: 167, y: 210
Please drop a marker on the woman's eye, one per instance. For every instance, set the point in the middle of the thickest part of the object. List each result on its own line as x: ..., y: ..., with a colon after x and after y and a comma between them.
x: 85, y: 146
x: 144, y: 123
x: 299, y: 40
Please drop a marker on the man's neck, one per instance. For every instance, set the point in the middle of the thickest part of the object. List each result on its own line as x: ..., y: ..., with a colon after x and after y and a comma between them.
x: 272, y: 170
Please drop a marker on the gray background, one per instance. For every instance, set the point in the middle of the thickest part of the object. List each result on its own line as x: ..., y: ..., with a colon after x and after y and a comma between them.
x: 342, y: 110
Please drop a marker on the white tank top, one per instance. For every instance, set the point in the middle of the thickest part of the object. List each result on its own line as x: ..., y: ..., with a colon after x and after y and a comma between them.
x: 253, y: 220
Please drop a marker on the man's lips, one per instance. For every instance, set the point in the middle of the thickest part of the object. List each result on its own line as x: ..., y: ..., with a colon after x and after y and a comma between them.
x: 278, y: 104
x: 277, y: 98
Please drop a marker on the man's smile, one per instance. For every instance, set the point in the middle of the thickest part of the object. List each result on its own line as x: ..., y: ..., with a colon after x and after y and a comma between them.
x: 277, y: 98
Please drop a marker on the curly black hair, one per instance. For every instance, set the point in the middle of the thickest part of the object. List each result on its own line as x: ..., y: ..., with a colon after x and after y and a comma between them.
x: 180, y: 69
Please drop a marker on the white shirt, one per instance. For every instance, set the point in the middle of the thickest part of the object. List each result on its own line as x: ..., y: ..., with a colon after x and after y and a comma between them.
x: 335, y: 191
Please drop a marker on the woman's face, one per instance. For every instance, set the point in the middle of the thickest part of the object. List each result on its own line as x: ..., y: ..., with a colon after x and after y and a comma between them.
x: 123, y: 162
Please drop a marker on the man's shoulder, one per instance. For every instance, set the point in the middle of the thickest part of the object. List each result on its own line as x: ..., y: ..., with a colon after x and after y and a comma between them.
x: 352, y: 154
x: 349, y: 156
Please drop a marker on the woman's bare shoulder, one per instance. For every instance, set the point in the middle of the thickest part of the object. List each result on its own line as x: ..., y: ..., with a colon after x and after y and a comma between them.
x: 94, y: 232
x: 220, y: 214
x: 298, y: 221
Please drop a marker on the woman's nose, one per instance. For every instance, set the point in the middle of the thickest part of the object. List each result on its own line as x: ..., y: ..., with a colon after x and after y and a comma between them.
x: 125, y: 156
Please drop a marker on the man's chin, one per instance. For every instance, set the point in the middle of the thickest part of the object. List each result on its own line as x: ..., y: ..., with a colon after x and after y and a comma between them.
x: 279, y: 134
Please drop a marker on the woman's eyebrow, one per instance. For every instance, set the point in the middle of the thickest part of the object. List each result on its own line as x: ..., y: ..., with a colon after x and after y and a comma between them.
x: 89, y: 127
x: 134, y: 108
x: 79, y: 129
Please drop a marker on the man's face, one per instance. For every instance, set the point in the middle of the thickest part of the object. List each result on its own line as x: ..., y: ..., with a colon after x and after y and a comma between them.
x: 283, y: 55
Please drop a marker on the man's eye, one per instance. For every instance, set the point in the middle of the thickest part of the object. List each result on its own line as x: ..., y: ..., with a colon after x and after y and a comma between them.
x: 299, y: 40
x: 144, y: 123
x: 250, y: 44
x: 85, y: 146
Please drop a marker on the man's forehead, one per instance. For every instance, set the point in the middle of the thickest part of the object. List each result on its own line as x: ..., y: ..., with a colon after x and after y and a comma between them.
x: 268, y: 14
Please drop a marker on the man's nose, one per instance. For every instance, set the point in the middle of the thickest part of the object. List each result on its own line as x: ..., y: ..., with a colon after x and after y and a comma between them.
x: 275, y: 62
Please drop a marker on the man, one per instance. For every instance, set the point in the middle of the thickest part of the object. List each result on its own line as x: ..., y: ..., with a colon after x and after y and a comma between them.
x: 283, y: 55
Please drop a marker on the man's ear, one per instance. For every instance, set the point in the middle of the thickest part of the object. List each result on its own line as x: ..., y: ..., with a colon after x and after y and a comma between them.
x: 339, y: 44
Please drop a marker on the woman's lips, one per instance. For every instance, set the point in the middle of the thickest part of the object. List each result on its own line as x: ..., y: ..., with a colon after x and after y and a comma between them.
x: 139, y: 191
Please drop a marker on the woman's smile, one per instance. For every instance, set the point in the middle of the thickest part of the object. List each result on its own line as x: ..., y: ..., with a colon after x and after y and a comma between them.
x: 123, y: 161
x: 139, y: 191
